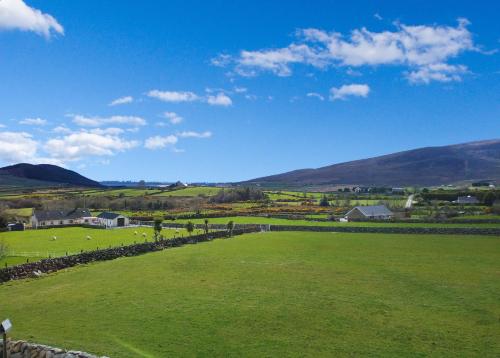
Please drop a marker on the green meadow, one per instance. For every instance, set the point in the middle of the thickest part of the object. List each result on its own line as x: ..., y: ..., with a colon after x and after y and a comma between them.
x: 277, y: 221
x: 36, y: 244
x: 274, y: 294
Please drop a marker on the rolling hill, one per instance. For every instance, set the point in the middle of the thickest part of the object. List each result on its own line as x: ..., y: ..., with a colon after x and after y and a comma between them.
x: 29, y: 175
x: 419, y: 167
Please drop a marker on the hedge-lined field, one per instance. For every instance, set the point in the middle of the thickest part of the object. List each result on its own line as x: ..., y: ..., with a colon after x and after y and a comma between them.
x: 277, y: 221
x: 37, y: 244
x: 274, y: 294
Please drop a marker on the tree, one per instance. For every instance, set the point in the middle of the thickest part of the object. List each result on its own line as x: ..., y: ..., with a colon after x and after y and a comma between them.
x: 189, y: 227
x: 3, y: 220
x: 324, y: 201
x: 230, y: 228
x: 206, y: 227
x: 489, y: 199
x: 157, y: 228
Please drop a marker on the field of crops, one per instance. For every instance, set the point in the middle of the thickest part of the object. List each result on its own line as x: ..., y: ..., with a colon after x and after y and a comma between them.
x: 274, y: 294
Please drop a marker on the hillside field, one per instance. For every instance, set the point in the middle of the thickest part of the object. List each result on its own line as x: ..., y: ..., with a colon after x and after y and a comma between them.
x: 274, y: 294
x: 36, y: 244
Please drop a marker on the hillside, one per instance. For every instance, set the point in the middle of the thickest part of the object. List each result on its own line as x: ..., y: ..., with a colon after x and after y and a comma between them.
x: 421, y: 167
x: 29, y: 175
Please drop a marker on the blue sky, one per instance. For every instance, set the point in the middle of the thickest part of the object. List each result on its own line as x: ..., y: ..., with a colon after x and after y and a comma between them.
x: 227, y: 91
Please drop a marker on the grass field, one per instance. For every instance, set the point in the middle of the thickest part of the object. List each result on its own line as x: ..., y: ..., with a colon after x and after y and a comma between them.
x: 274, y: 294
x: 36, y: 244
x: 274, y: 221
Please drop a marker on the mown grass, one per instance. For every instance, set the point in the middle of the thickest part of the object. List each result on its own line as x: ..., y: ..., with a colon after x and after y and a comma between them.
x: 274, y: 294
x: 37, y: 244
x: 275, y: 221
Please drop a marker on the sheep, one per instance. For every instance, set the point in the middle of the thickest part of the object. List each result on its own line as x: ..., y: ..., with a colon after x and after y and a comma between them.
x: 88, y: 237
x: 54, y: 238
x: 135, y: 233
x: 144, y: 234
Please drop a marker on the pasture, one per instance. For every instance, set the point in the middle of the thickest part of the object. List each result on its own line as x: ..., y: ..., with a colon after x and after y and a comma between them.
x: 277, y: 221
x: 274, y: 294
x: 36, y: 244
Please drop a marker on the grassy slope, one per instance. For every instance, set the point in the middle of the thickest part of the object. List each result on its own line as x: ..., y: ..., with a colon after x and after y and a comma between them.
x: 274, y: 294
x: 34, y: 244
x: 273, y: 221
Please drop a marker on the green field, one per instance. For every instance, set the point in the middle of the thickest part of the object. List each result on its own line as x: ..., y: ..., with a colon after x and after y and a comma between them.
x: 36, y: 244
x: 274, y: 221
x: 274, y: 294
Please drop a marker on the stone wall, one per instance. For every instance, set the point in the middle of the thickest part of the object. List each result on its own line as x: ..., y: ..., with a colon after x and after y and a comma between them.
x: 22, y: 349
x: 38, y: 268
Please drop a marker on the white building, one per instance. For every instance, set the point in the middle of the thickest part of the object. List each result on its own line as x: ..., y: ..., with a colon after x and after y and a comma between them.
x: 108, y: 219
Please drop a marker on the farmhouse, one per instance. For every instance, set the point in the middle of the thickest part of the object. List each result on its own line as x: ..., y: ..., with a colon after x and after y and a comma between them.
x: 50, y: 218
x: 466, y: 200
x: 108, y: 219
x: 369, y: 212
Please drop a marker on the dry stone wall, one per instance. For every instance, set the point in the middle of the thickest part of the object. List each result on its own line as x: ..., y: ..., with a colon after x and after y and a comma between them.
x: 23, y: 349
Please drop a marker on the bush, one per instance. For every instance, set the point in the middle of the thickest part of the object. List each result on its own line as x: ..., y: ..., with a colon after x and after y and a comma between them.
x: 238, y: 194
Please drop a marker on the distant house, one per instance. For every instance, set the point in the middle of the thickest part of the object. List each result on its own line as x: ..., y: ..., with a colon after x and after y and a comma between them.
x: 380, y: 212
x: 466, y: 200
x: 108, y: 219
x: 51, y: 218
x: 398, y: 190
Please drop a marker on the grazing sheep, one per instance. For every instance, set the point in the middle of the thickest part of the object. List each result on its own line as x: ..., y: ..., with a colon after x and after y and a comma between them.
x: 135, y: 233
x: 88, y: 237
x: 54, y: 238
x: 144, y: 234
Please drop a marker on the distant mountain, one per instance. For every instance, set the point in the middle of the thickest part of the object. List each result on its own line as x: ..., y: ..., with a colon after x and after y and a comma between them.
x: 419, y: 167
x: 30, y: 175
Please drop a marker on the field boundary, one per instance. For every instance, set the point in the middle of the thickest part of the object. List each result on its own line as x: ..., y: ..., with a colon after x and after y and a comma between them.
x: 35, y: 269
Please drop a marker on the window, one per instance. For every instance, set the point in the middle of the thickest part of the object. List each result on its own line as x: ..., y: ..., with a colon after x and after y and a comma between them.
x: 61, y: 222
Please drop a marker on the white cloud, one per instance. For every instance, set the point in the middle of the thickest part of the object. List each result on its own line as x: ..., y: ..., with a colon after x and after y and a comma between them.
x: 17, y: 147
x: 106, y: 131
x: 16, y: 15
x: 76, y: 146
x: 173, y: 117
x: 84, y: 121
x: 315, y: 95
x: 418, y: 48
x: 353, y: 90
x: 191, y: 134
x: 61, y: 129
x: 173, y: 96
x: 159, y: 142
x: 440, y: 72
x: 220, y: 99
x: 33, y: 121
x: 221, y: 60
x: 122, y: 100
x: 240, y: 89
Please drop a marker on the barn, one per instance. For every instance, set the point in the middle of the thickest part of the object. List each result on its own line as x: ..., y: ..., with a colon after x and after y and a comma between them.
x: 109, y: 219
x: 377, y: 212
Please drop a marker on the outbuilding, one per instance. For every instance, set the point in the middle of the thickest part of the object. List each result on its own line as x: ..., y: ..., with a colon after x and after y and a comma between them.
x: 378, y: 212
x: 109, y: 219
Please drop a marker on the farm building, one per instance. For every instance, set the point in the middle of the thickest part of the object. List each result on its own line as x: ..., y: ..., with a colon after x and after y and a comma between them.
x: 466, y: 200
x: 369, y: 212
x: 108, y: 219
x: 51, y: 218
x: 15, y: 227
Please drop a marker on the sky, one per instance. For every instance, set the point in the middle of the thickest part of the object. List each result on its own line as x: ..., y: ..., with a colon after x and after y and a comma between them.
x: 219, y: 91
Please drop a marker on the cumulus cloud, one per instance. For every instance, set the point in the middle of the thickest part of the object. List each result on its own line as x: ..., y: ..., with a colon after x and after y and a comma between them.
x: 17, y: 147
x: 173, y: 117
x: 173, y: 96
x: 220, y: 99
x: 192, y: 134
x: 84, y: 121
x: 315, y: 95
x: 76, y: 146
x: 353, y: 90
x: 61, y: 129
x: 16, y: 15
x: 122, y: 100
x: 159, y: 142
x: 33, y: 121
x: 423, y: 49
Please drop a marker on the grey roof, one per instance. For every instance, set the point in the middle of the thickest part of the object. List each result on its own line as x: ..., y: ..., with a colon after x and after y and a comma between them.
x: 108, y: 215
x: 373, y: 210
x: 467, y: 200
x: 46, y: 215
